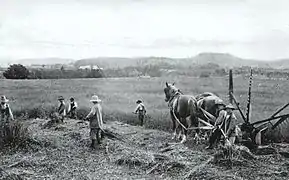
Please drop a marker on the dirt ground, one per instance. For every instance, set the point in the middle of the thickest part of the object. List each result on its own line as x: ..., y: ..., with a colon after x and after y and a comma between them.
x: 62, y: 152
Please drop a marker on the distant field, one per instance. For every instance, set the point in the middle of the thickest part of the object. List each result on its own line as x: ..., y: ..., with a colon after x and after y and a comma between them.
x: 119, y: 95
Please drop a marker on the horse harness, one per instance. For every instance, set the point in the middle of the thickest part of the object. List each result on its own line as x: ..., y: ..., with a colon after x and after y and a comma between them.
x: 173, y: 101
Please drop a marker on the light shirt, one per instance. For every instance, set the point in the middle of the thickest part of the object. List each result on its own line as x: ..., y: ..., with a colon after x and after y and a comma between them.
x: 140, y: 108
x: 223, y: 118
x: 95, y: 116
x: 4, y: 108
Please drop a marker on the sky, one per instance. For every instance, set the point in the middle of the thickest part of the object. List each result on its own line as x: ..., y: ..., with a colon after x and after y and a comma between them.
x: 254, y: 29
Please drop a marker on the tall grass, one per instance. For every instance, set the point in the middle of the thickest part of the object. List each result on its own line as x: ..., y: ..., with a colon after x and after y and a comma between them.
x: 12, y: 135
x: 38, y: 98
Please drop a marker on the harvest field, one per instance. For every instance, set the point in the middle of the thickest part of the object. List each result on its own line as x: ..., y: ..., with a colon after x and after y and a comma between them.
x: 62, y: 151
x: 119, y: 95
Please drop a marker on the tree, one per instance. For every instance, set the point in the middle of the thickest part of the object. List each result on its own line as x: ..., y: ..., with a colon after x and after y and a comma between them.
x: 221, y: 72
x: 16, y: 71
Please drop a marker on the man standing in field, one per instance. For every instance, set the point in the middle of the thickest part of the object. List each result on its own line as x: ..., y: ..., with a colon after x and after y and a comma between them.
x: 223, y: 123
x: 61, y: 108
x: 72, y: 109
x: 96, y: 123
x: 6, y: 113
x: 140, y: 110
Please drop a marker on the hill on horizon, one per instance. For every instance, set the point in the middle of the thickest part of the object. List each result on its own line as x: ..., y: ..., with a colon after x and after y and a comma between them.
x: 221, y: 59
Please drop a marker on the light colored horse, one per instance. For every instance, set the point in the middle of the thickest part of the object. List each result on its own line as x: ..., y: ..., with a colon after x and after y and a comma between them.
x: 181, y: 107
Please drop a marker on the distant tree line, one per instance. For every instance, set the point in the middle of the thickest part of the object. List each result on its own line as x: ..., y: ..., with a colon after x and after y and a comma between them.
x: 265, y: 72
x: 134, y: 71
x: 164, y: 70
x: 18, y: 71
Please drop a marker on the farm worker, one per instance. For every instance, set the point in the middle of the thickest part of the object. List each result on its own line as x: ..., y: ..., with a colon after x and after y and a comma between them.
x: 95, y: 119
x: 72, y: 108
x: 61, y: 108
x: 225, y: 116
x: 140, y: 110
x: 6, y: 113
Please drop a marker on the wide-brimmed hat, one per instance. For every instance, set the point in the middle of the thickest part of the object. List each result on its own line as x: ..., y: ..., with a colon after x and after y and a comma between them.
x: 139, y: 101
x: 60, y: 98
x: 219, y: 102
x: 4, y: 99
x: 95, y: 98
x: 230, y: 106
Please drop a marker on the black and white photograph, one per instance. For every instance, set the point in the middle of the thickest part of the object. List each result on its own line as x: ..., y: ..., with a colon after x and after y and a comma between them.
x: 144, y: 89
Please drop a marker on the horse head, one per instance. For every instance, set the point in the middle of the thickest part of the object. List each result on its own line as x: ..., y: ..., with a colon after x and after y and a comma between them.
x: 170, y: 90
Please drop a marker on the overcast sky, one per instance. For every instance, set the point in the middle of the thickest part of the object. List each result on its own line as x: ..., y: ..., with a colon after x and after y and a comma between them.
x: 174, y: 28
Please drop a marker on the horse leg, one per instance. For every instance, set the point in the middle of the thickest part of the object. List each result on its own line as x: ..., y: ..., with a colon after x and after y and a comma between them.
x: 207, y: 135
x: 185, y: 131
x: 180, y: 132
x: 195, y: 123
x: 174, y: 133
x: 174, y: 126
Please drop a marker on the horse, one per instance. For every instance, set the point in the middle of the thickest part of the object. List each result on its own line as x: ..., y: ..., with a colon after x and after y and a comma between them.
x: 181, y: 107
x: 208, y: 110
x: 208, y: 101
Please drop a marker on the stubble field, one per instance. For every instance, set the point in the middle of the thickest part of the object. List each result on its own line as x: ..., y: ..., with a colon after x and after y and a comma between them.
x: 62, y: 151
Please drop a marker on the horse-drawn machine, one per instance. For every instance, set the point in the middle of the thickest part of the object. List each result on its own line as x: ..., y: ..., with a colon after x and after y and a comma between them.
x: 272, y: 129
x: 251, y: 134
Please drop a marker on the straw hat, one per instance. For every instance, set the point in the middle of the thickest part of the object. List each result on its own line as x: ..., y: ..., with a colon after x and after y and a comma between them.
x: 139, y: 101
x: 219, y: 102
x: 3, y: 99
x: 95, y: 98
x: 60, y: 98
x: 230, y: 106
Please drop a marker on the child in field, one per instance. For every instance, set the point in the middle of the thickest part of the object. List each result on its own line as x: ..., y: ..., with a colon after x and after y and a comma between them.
x: 72, y: 109
x: 61, y: 108
x: 140, y: 110
x: 95, y: 119
x: 6, y: 113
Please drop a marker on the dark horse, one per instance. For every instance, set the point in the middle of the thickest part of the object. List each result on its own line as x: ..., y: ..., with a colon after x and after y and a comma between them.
x: 181, y: 107
x: 208, y: 110
x: 208, y: 101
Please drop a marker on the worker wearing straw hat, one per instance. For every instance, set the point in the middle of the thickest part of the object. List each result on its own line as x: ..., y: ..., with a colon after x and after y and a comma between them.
x: 140, y: 110
x: 95, y: 119
x: 61, y: 108
x: 6, y: 113
x: 224, y: 122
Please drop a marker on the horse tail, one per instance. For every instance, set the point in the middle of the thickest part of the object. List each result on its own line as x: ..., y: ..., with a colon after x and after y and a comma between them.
x: 193, y: 105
